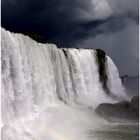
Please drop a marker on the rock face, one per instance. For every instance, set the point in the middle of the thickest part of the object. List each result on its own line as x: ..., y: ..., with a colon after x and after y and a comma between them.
x: 120, y: 112
x: 101, y: 60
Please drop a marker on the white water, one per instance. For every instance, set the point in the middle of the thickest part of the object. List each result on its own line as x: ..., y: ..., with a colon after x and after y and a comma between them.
x: 46, y: 91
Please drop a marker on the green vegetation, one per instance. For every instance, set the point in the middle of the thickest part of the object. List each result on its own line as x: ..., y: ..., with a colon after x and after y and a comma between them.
x: 125, y: 104
x: 65, y: 53
x: 101, y: 59
x: 35, y: 36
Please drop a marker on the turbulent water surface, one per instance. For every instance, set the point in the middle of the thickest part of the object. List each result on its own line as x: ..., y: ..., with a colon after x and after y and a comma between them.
x: 50, y: 93
x: 115, y: 132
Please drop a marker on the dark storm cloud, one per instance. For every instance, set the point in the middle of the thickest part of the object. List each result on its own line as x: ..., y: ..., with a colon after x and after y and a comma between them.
x: 65, y: 22
x: 53, y: 19
x: 80, y: 23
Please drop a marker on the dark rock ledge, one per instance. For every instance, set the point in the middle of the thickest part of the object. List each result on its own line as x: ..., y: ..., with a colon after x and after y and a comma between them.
x: 120, y: 112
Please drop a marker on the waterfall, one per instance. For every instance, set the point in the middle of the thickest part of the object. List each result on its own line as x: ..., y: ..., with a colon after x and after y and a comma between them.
x: 41, y: 77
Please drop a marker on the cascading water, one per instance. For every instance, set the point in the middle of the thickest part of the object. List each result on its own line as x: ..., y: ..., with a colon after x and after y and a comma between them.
x: 46, y: 91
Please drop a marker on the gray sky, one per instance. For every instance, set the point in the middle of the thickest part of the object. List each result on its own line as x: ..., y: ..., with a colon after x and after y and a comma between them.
x: 121, y: 46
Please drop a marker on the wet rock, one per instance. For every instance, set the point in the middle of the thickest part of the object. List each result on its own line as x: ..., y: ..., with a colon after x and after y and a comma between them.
x: 122, y: 111
x: 135, y: 102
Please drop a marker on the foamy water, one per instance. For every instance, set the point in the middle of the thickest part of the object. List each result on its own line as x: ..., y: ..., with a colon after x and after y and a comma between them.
x: 48, y: 93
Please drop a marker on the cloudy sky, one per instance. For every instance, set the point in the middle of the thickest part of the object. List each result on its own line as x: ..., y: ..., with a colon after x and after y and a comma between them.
x: 111, y: 25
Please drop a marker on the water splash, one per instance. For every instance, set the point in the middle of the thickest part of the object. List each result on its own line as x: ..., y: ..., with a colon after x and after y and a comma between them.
x: 50, y: 93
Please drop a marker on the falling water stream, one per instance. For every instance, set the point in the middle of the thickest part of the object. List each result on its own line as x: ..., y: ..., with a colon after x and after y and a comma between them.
x: 50, y: 93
